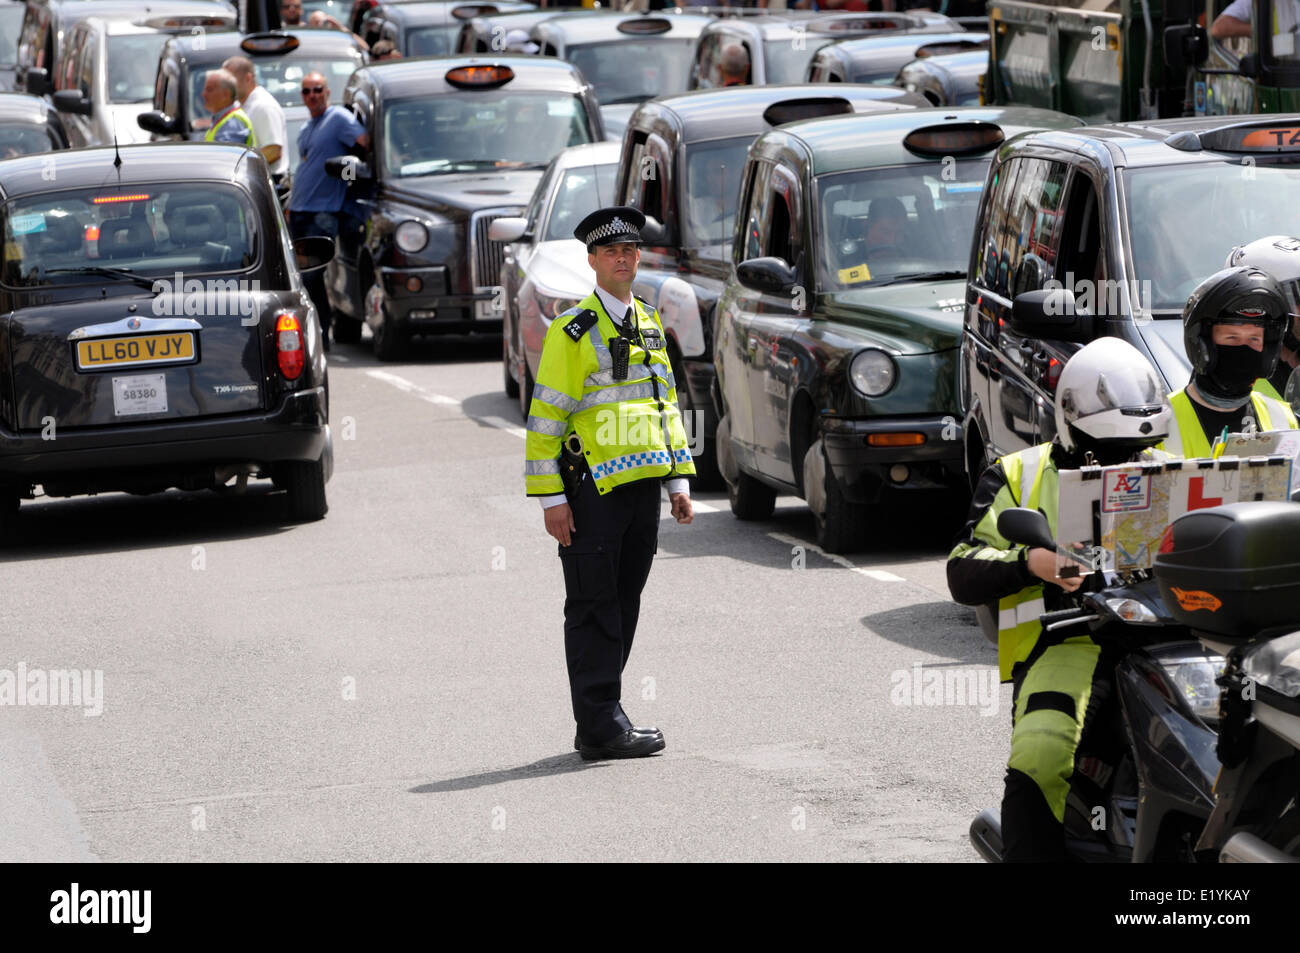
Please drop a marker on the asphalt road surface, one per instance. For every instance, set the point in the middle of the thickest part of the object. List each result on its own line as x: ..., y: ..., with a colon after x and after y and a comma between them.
x: 388, y: 683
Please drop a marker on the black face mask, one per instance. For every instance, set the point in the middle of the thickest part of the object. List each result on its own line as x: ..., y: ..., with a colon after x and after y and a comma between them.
x: 1234, y: 373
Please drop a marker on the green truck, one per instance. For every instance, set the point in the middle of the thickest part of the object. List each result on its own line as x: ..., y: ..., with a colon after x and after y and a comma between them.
x: 1120, y: 60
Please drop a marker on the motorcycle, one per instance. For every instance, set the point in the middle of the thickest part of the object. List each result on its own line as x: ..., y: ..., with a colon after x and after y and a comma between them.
x: 1143, y: 788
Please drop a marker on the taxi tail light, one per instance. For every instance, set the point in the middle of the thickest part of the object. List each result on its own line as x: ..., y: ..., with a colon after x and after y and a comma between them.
x: 1054, y: 368
x: 289, y: 350
x: 958, y: 138
x: 895, y: 439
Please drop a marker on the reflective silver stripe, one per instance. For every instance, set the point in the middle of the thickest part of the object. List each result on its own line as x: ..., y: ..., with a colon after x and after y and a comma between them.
x: 558, y: 400
x: 1276, y: 412
x: 1029, y: 461
x: 551, y: 428
x: 541, y: 468
x: 1173, y: 444
x: 602, y: 352
x: 605, y: 378
x: 1020, y: 614
x: 616, y: 395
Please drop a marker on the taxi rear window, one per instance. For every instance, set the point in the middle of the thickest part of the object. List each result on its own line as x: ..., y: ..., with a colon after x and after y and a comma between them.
x: 153, y: 230
x: 627, y: 71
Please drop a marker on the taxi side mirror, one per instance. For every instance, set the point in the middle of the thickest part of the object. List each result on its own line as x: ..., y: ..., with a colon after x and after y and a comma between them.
x: 347, y: 168
x: 36, y: 81
x: 71, y: 101
x: 1185, y: 45
x: 508, y: 229
x: 653, y: 232
x: 312, y: 252
x: 773, y: 275
x: 1051, y: 315
x: 158, y: 122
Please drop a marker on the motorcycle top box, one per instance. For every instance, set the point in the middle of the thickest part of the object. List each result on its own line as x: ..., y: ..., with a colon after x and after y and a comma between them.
x: 1234, y: 571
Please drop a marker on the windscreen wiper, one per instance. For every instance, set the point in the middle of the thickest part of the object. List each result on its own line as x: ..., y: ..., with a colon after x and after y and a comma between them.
x: 106, y: 272
x: 922, y: 276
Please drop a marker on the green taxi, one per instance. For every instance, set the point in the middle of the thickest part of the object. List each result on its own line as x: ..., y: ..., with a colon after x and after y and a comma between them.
x: 839, y: 326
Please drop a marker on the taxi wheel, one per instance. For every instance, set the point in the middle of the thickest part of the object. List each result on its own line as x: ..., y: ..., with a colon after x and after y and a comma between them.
x: 841, y: 524
x: 511, y: 385
x: 526, y: 393
x: 346, y: 330
x: 8, y: 514
x: 750, y: 499
x: 304, y: 486
x: 390, y: 345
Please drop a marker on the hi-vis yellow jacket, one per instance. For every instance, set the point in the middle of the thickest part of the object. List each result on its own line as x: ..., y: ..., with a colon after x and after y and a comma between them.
x: 630, y: 430
x: 1189, y: 439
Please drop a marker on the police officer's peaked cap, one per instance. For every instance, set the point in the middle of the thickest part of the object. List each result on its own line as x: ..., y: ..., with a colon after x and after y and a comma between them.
x: 610, y: 226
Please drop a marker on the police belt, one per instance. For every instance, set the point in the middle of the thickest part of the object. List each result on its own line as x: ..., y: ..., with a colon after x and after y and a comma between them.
x: 573, y: 464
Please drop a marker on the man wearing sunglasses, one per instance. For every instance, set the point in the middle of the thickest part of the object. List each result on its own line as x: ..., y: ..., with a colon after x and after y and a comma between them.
x: 317, y: 201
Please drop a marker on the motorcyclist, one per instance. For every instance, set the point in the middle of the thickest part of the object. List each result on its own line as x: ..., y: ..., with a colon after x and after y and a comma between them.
x: 1233, y: 326
x: 1279, y: 255
x: 1110, y: 407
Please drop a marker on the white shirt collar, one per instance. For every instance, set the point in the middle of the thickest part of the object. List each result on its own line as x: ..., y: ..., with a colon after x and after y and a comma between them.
x: 616, y: 309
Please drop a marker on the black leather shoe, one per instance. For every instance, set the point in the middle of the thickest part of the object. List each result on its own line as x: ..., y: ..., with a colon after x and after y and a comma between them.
x: 577, y: 742
x: 630, y: 744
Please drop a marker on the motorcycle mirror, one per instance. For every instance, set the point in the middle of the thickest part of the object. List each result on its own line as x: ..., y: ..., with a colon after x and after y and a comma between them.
x: 1026, y: 527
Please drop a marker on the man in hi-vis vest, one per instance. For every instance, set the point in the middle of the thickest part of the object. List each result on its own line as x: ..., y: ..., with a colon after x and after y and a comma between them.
x: 229, y: 121
x: 1233, y: 325
x: 1110, y: 407
x: 604, y: 436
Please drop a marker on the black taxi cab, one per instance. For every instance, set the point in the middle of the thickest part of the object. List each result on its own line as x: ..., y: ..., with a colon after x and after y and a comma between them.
x: 157, y: 331
x: 837, y: 331
x: 499, y: 32
x: 1105, y: 230
x: 780, y: 46
x: 681, y: 165
x: 878, y: 59
x: 427, y: 28
x: 946, y: 79
x: 457, y: 142
x: 29, y: 124
x: 281, y: 59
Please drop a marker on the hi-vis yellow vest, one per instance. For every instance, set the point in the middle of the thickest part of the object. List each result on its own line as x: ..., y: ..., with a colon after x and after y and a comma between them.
x: 250, y: 140
x: 1031, y: 478
x: 630, y: 430
x: 1188, y: 438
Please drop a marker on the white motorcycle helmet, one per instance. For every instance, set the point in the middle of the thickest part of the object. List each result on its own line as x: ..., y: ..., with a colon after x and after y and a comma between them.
x: 1279, y: 255
x: 1110, y: 402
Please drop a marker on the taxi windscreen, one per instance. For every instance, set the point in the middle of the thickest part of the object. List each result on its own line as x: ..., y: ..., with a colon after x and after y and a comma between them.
x: 431, y: 40
x: 912, y: 222
x: 786, y: 62
x: 491, y: 129
x: 1184, y: 220
x: 24, y: 139
x: 11, y: 21
x: 712, y: 184
x: 282, y: 77
x: 583, y: 188
x: 82, y: 235
x: 629, y: 72
x: 133, y: 66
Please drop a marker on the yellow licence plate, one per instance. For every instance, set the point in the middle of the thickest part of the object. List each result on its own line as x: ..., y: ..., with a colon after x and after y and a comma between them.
x: 173, y: 347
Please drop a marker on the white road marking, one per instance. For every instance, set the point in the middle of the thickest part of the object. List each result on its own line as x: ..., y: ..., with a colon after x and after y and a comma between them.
x: 502, y: 424
x: 401, y: 383
x: 338, y: 359
x: 878, y: 574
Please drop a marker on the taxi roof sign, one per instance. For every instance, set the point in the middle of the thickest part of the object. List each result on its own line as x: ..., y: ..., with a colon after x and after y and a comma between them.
x: 645, y: 25
x: 959, y: 138
x: 1245, y: 137
x: 469, y: 11
x: 479, y: 77
x: 811, y: 107
x: 261, y: 44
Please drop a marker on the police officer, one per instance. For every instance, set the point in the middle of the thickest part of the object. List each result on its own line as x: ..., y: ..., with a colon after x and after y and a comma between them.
x: 1233, y: 326
x: 1110, y: 405
x: 604, y: 433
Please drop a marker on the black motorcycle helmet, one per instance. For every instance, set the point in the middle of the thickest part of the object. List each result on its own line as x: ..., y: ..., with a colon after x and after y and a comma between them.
x: 1241, y: 295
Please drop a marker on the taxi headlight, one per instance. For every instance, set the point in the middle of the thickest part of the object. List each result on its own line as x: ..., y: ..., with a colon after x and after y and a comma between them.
x: 411, y: 236
x: 872, y: 372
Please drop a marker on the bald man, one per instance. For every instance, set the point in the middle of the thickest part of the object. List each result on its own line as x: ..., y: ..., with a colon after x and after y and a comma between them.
x: 229, y: 122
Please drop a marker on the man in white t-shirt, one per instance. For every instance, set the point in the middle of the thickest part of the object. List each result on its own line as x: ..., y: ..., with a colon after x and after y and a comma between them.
x: 263, y: 111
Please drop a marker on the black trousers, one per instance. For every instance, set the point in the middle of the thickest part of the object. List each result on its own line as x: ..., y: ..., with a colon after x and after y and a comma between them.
x: 605, y: 569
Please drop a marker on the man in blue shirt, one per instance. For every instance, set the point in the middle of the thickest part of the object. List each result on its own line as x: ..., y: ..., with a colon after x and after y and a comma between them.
x: 316, y: 200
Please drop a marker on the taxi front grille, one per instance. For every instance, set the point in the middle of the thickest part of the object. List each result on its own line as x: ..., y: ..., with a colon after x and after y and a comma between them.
x: 486, y: 256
